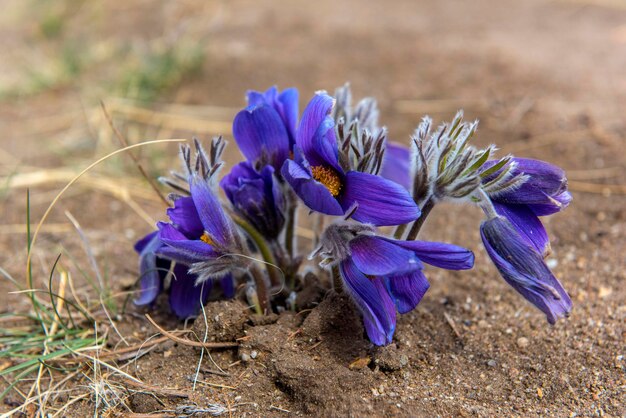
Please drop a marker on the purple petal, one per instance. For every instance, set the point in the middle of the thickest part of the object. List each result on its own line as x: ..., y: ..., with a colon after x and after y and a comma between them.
x: 210, y: 212
x: 227, y: 283
x: 439, y: 254
x: 289, y: 111
x: 523, y: 268
x: 285, y: 103
x: 543, y: 176
x: 174, y: 254
x: 407, y: 290
x: 381, y: 201
x: 396, y: 165
x: 527, y: 225
x: 256, y: 98
x: 187, y: 298
x: 195, y: 250
x: 313, y: 193
x: 372, y: 299
x: 150, y: 281
x: 316, y: 134
x: 314, y: 114
x: 261, y: 135
x: 555, y: 204
x: 149, y: 269
x: 142, y: 243
x: 378, y: 257
x: 185, y: 216
x: 256, y: 197
x: 545, y: 182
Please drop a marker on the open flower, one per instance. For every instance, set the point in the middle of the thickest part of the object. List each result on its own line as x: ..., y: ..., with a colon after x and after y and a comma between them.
x: 383, y: 274
x: 319, y: 180
x: 522, y: 266
x: 185, y: 296
x: 200, y: 234
x: 265, y: 130
x: 257, y: 197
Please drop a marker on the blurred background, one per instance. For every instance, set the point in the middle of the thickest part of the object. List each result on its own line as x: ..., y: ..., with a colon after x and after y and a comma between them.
x: 546, y: 78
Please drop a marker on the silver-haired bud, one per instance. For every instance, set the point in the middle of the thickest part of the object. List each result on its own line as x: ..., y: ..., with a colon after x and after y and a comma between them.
x: 333, y: 246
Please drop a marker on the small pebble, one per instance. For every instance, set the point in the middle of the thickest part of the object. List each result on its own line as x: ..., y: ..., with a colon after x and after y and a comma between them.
x: 404, y: 360
x: 552, y: 263
x: 491, y: 363
x: 522, y: 342
x: 245, y: 357
x: 254, y: 354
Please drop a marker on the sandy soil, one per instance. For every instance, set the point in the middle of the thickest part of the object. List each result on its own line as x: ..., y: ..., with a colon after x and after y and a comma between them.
x: 546, y: 80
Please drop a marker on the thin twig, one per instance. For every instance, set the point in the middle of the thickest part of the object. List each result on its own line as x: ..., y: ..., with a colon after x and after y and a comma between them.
x: 453, y: 326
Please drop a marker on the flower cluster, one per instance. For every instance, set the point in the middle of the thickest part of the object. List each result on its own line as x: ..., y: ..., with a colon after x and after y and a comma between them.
x: 335, y: 162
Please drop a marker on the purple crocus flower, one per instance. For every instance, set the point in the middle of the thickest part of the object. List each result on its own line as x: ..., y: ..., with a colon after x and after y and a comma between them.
x: 265, y: 130
x: 285, y: 103
x: 185, y: 297
x: 522, y: 266
x: 543, y: 193
x: 200, y: 234
x: 383, y: 274
x: 317, y: 177
x: 257, y: 197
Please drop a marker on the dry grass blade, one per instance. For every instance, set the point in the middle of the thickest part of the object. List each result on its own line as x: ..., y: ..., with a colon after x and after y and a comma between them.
x: 604, y: 189
x: 124, y: 143
x: 190, y: 343
x: 168, y: 120
x: 75, y: 179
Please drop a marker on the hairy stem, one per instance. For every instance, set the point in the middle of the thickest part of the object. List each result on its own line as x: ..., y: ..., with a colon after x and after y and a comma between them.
x: 261, y: 288
x: 417, y: 225
x: 270, y: 262
x: 292, y: 208
x: 335, y: 277
x: 400, y: 231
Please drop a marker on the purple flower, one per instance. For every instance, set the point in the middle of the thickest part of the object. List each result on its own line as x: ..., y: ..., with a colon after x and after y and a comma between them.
x: 285, y: 103
x: 522, y: 266
x: 319, y: 180
x: 265, y: 130
x: 200, y: 234
x: 543, y: 193
x: 257, y: 197
x: 185, y: 297
x: 383, y: 274
x: 396, y: 164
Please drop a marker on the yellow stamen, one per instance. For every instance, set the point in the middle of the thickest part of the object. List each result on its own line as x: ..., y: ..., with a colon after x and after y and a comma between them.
x: 328, y: 177
x: 206, y: 238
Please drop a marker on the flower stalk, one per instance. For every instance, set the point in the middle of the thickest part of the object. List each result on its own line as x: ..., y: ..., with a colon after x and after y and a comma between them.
x: 273, y: 271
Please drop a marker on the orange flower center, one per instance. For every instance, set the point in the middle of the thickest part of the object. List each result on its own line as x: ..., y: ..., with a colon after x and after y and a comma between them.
x: 328, y: 177
x: 206, y: 238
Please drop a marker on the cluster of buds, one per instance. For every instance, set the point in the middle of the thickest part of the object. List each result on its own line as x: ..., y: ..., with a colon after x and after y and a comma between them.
x: 337, y: 162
